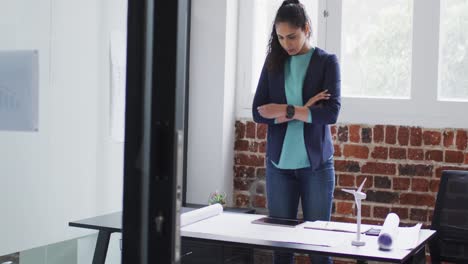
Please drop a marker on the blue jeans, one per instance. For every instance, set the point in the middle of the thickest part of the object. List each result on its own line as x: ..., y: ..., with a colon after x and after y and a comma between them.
x: 314, y: 188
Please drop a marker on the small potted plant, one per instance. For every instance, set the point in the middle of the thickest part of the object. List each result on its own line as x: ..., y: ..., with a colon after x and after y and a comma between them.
x: 217, y: 197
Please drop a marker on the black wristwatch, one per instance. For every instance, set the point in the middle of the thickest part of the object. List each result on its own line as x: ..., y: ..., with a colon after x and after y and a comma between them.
x: 290, y: 111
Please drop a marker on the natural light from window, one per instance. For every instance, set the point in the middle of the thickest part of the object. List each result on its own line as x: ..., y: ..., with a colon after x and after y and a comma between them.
x: 376, y: 48
x: 453, y: 51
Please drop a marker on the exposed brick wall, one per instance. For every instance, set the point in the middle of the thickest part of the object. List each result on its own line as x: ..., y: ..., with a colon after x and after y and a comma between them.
x: 402, y: 165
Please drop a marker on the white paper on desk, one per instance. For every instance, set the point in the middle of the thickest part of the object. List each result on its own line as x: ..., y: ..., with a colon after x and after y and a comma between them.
x: 335, y: 226
x: 240, y: 226
x: 200, y: 214
x: 408, y: 237
x: 118, y: 48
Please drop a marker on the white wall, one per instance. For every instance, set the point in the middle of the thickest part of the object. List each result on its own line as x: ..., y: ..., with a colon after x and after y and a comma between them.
x: 70, y: 169
x: 211, y: 99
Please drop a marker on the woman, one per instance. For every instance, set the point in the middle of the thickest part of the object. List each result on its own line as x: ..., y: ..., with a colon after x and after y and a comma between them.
x: 298, y: 96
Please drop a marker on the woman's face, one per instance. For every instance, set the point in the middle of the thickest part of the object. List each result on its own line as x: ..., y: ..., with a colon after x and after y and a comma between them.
x: 292, y: 38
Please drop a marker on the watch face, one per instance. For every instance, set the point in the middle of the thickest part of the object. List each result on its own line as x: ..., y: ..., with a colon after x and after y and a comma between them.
x: 290, y: 111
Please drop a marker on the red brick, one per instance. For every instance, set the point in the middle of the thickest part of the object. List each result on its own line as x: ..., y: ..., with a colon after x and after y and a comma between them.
x: 430, y: 213
x: 390, y: 135
x: 372, y: 221
x: 401, y: 212
x: 435, y: 155
x: 379, y: 168
x: 357, y: 151
x: 419, y: 215
x: 302, y: 259
x: 434, y: 185
x: 454, y: 156
x: 253, y: 146
x: 381, y: 212
x: 365, y: 210
x: 461, y: 140
x: 342, y: 134
x: 366, y: 135
x: 403, y: 135
x: 346, y: 180
x: 262, y: 146
x: 240, y: 130
x: 378, y: 133
x: 242, y: 184
x: 380, y: 153
x: 397, y: 153
x: 354, y: 133
x: 344, y: 208
x: 448, y: 138
x: 401, y: 184
x: 347, y: 166
x: 244, y: 172
x: 260, y: 173
x: 466, y: 158
x: 415, y: 169
x: 249, y: 160
x: 419, y: 185
x: 333, y: 132
x: 417, y: 199
x: 241, y: 145
x: 250, y: 130
x: 383, y: 182
x: 432, y: 138
x: 415, y: 154
x: 337, y: 150
x: 259, y: 201
x: 415, y: 136
x: 261, y: 131
x: 439, y: 170
x: 242, y: 199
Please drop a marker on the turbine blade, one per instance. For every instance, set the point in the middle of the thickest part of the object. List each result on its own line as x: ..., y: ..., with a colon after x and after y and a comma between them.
x: 362, y: 184
x: 349, y: 191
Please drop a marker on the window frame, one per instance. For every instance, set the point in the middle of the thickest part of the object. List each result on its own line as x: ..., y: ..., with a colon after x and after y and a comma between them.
x: 423, y: 108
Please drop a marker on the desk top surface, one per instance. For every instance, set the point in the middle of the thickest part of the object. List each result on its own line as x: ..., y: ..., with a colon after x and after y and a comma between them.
x: 113, y: 222
x: 290, y: 238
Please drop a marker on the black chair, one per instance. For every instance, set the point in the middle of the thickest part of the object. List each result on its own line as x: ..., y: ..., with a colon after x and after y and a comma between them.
x: 450, y: 219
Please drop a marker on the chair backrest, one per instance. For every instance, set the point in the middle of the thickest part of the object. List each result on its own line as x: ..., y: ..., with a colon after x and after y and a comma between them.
x: 450, y: 219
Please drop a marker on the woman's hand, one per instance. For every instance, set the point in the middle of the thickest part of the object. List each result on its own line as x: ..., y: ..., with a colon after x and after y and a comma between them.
x: 272, y: 110
x: 323, y: 95
x: 282, y: 119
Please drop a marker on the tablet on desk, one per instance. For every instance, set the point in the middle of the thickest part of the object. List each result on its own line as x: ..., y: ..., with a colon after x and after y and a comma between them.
x: 277, y: 221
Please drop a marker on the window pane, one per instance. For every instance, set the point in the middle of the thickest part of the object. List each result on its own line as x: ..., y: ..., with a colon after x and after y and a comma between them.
x: 453, y: 58
x: 376, y: 48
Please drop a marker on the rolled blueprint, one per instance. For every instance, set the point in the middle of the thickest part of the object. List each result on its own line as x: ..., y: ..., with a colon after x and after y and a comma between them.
x: 389, y: 232
x: 200, y: 214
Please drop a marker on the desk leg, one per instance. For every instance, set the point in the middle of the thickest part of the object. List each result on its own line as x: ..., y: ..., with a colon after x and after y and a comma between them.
x: 419, y: 257
x: 102, y: 244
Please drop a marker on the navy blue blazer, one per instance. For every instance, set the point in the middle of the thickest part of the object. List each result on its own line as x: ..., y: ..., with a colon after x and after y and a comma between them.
x: 322, y: 73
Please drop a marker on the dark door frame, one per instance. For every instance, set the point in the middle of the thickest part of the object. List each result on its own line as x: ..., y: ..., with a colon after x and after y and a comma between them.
x: 155, y: 130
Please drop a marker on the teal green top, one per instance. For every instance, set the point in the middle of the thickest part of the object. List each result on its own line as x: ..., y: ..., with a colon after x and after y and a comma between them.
x: 293, y: 153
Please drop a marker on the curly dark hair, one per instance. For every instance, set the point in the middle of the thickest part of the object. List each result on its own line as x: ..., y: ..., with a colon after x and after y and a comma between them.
x: 294, y: 13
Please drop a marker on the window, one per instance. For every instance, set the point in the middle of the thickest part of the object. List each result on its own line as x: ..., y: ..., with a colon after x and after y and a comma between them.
x: 376, y: 48
x: 453, y: 50
x: 403, y: 62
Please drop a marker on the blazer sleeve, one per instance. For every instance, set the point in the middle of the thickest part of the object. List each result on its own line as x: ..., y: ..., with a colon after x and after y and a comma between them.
x: 262, y: 97
x: 327, y: 111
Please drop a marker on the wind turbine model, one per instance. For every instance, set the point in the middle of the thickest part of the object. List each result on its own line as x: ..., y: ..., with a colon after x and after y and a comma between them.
x: 358, y: 196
